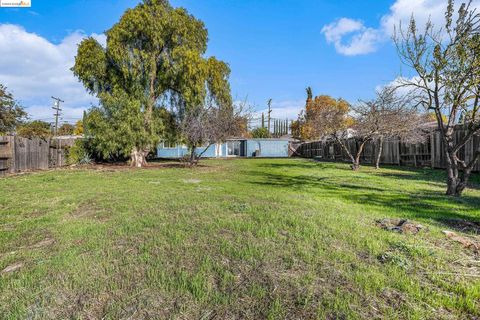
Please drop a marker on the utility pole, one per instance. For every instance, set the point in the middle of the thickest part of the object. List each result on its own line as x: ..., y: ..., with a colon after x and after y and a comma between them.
x: 56, y: 107
x: 269, y: 111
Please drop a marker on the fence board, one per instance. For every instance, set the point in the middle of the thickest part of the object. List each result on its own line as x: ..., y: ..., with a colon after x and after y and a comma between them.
x: 19, y: 154
x: 6, y: 154
x: 428, y: 154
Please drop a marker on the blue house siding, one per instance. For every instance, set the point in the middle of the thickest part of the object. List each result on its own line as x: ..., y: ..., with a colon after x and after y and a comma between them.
x: 266, y: 148
x: 180, y: 151
x: 209, y: 152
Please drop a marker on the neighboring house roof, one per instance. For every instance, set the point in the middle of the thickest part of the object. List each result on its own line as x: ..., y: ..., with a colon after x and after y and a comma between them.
x: 67, y: 137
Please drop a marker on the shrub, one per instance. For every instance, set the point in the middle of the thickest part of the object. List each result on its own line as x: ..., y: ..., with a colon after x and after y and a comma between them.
x: 78, y: 154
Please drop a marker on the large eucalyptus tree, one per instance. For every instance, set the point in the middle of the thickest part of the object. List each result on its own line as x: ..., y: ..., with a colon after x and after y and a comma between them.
x: 154, y: 60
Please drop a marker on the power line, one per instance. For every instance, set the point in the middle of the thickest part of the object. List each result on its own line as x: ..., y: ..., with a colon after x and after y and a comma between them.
x: 56, y: 107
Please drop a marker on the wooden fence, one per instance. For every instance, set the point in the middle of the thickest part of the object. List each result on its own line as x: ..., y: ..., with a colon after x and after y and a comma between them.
x: 428, y: 154
x: 21, y: 154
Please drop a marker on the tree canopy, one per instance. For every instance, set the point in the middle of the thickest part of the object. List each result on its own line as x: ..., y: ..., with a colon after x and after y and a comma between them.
x: 388, y: 115
x: 66, y: 129
x: 11, y: 113
x: 78, y: 129
x: 154, y: 60
x: 36, y: 128
x: 260, y: 133
x: 323, y: 115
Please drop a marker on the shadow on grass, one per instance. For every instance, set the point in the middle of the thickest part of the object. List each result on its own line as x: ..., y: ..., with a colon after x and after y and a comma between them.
x: 395, y: 172
x: 463, y: 225
x: 402, y: 172
x: 305, y: 164
x: 420, y: 203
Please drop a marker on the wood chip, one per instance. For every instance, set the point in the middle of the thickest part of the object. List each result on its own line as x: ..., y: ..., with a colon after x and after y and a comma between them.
x: 466, y: 242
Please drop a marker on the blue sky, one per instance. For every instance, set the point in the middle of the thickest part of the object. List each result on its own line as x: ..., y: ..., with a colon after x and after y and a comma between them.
x: 275, y: 48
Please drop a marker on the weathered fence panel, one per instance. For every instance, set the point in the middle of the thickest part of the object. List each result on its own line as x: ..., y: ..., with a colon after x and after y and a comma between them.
x: 19, y: 154
x: 6, y: 154
x: 431, y: 153
x: 30, y: 154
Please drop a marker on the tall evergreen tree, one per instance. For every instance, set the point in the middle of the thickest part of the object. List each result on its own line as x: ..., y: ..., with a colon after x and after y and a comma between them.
x: 153, y: 61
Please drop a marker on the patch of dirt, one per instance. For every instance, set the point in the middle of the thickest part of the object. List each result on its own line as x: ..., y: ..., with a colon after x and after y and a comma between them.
x: 40, y: 244
x: 90, y: 210
x: 393, y: 297
x: 32, y: 239
x: 400, y: 225
x: 12, y: 268
x: 78, y: 242
x: 467, y: 242
x: 44, y: 243
x: 35, y: 214
x: 194, y: 181
x: 462, y: 225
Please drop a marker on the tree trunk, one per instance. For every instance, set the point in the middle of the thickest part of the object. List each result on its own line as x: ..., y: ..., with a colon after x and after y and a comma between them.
x: 454, y: 187
x: 356, y: 162
x: 193, y: 157
x: 379, y: 153
x: 349, y: 154
x: 457, y: 176
x: 456, y: 184
x: 453, y: 178
x: 355, y: 165
x: 456, y: 181
x: 138, y: 158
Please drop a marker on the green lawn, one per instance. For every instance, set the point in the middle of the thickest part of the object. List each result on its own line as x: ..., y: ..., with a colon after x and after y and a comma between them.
x: 277, y: 239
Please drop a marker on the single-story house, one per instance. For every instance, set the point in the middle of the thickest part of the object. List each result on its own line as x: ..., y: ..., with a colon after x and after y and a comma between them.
x: 235, y: 147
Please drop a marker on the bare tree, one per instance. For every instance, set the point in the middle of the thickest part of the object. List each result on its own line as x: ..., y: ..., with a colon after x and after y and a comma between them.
x: 211, y: 124
x: 389, y: 115
x: 368, y: 124
x: 447, y: 66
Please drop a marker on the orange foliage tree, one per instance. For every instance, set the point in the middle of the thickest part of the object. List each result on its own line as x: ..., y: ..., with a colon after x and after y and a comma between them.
x: 325, y: 117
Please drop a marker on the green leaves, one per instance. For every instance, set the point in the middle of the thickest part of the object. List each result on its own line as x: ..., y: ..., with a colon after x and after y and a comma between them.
x: 91, y: 66
x: 119, y: 126
x: 154, y: 58
x: 11, y: 113
x: 35, y: 128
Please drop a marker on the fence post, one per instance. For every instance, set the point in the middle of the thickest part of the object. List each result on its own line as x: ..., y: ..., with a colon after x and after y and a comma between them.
x: 12, y: 141
x: 397, y: 147
x: 432, y: 150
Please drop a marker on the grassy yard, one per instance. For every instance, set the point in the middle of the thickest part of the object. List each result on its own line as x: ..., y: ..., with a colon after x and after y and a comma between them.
x: 276, y: 239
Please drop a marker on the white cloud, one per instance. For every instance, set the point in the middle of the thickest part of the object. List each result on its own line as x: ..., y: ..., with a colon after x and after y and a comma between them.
x: 364, y: 40
x: 34, y: 69
x: 423, y: 10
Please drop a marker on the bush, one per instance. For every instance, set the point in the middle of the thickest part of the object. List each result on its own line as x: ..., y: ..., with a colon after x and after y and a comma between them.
x: 78, y: 154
